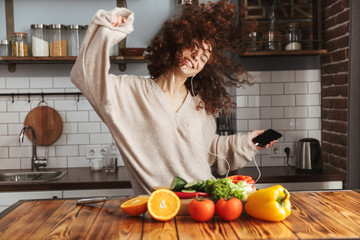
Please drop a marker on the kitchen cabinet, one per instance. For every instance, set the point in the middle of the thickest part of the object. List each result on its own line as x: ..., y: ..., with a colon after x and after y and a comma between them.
x: 9, y: 198
x: 97, y: 193
x: 305, y: 186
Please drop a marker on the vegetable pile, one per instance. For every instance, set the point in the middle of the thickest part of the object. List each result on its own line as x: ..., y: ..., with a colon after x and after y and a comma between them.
x: 225, y: 188
x: 219, y: 188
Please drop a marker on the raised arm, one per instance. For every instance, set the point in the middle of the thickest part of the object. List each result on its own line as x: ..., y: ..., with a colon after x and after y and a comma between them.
x: 90, y: 71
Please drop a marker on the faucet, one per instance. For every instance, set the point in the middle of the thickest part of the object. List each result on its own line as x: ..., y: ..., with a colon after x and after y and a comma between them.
x: 35, y: 161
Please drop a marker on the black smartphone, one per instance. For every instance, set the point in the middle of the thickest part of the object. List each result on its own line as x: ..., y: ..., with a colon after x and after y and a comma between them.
x: 266, y: 137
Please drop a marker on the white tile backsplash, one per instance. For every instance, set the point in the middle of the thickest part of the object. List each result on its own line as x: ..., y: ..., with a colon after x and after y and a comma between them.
x: 258, y: 101
x: 41, y: 82
x: 283, y: 100
x: 308, y: 100
x: 296, y: 88
x: 9, y: 117
x: 295, y: 112
x: 17, y: 82
x: 282, y: 76
x: 2, y: 82
x: 3, y: 106
x: 272, y: 112
x: 307, y: 75
x: 77, y: 116
x: 259, y: 77
x: 77, y: 139
x: 287, y: 101
x: 271, y: 88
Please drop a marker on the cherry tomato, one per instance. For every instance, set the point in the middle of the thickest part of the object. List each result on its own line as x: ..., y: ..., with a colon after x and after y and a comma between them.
x: 229, y: 209
x: 201, y: 209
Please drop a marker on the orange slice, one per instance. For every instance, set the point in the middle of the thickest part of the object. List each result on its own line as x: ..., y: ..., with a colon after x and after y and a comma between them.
x: 135, y: 206
x: 163, y: 204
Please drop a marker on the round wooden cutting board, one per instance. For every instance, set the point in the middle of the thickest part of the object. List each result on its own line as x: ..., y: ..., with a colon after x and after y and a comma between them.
x: 47, y: 124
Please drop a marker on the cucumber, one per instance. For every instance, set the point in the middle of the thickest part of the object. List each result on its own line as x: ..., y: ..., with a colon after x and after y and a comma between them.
x: 195, y: 185
x: 188, y: 190
x: 177, y: 184
x: 201, y: 187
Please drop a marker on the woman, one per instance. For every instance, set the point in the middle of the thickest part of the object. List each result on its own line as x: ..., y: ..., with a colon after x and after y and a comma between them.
x: 164, y: 126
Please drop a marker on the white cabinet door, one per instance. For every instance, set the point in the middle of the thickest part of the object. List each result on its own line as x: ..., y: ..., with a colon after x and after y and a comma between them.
x: 97, y: 193
x: 9, y: 198
x: 305, y: 186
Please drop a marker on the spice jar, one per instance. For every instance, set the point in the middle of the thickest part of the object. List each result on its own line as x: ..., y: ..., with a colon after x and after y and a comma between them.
x: 58, y: 43
x: 293, y: 37
x: 20, y: 46
x: 74, y: 34
x: 39, y: 40
x: 5, y: 48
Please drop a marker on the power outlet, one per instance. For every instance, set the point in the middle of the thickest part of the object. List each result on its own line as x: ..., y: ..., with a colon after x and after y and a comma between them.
x: 278, y: 150
x: 98, y: 151
x: 95, y: 151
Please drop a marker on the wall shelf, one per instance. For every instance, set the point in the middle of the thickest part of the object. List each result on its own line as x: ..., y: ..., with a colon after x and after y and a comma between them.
x: 12, y: 61
x: 284, y: 53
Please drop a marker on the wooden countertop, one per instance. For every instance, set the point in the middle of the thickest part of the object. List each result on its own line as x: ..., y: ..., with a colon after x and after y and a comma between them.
x: 84, y: 178
x: 314, y: 215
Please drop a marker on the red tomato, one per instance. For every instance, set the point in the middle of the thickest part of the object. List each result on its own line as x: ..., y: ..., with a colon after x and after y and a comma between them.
x: 229, y: 209
x: 201, y: 209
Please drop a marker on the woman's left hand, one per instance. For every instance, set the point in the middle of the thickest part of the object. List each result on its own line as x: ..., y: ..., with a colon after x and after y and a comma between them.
x: 117, y: 20
x: 258, y: 132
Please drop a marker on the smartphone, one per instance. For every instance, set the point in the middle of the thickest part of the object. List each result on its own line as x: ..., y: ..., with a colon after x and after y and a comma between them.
x: 266, y: 137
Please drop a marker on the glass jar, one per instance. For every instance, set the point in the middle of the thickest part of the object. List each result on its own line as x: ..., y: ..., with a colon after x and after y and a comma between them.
x: 20, y: 46
x: 39, y: 40
x: 293, y: 37
x: 5, y: 48
x: 272, y: 41
x: 254, y: 42
x: 74, y: 35
x: 58, y: 42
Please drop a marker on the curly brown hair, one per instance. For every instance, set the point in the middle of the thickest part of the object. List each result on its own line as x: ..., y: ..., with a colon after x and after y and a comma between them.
x: 217, y: 24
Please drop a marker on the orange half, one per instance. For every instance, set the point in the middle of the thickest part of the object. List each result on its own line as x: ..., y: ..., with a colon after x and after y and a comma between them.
x: 135, y: 206
x: 163, y: 204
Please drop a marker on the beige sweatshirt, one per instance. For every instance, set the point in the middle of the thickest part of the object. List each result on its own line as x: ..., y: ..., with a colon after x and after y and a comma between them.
x: 156, y: 142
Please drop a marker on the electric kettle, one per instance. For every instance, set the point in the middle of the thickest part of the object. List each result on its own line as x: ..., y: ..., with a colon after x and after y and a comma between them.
x: 308, y: 155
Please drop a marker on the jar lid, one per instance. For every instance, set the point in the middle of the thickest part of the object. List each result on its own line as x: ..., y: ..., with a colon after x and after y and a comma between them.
x: 20, y: 34
x: 5, y: 42
x: 39, y: 26
x: 74, y: 26
x: 57, y: 26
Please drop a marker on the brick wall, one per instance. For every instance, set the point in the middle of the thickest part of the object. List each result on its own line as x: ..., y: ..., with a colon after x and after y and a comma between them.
x: 334, y: 81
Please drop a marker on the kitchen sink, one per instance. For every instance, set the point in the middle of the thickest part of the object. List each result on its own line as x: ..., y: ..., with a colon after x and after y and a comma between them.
x: 31, y: 176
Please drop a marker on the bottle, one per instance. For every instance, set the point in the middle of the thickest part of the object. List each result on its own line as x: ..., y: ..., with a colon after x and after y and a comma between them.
x: 293, y: 37
x: 272, y: 38
x: 74, y: 39
x: 58, y: 42
x: 20, y: 46
x: 5, y: 48
x: 39, y: 40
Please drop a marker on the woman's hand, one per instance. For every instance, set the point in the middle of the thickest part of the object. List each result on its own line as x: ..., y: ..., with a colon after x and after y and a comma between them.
x: 258, y: 132
x: 117, y: 20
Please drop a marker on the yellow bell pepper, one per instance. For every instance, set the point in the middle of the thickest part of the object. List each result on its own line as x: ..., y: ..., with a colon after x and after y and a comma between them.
x: 271, y: 204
